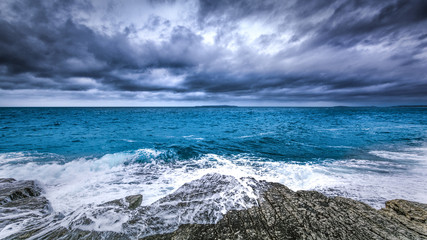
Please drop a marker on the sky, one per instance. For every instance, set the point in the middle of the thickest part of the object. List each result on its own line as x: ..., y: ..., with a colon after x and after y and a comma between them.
x: 218, y: 52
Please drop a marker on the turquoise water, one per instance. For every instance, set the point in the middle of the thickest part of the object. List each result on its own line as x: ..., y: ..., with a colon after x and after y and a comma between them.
x: 96, y: 154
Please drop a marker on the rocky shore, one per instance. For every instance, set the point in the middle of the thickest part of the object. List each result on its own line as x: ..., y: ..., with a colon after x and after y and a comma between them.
x: 213, y: 207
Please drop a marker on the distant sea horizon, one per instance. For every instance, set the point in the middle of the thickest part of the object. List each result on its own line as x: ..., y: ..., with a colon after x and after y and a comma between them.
x: 223, y: 106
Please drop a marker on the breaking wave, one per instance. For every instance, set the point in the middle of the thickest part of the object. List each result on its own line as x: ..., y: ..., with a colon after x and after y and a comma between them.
x: 157, y: 173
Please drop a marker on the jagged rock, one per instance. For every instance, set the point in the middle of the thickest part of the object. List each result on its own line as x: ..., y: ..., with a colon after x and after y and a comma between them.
x: 20, y: 202
x: 134, y: 201
x: 284, y: 214
x: 412, y: 210
x: 12, y: 190
x: 21, y: 195
x: 7, y: 180
x: 411, y: 214
x: 204, y: 200
x: 131, y: 202
x: 213, y: 207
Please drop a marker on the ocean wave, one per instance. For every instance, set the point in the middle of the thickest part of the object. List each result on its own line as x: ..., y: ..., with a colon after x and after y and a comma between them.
x: 396, y: 175
x: 155, y: 173
x: 27, y: 157
x: 415, y: 154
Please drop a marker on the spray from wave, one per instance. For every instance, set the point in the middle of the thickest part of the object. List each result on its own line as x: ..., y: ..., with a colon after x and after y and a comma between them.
x: 157, y: 173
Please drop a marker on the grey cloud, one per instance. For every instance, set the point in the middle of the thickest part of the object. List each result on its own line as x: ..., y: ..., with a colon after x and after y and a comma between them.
x: 338, y: 22
x: 56, y: 48
x: 43, y: 45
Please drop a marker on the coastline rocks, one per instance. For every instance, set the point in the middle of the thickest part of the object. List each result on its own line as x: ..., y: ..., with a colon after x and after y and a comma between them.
x: 12, y: 191
x: 284, y: 214
x: 411, y: 210
x: 411, y: 214
x: 202, y: 201
x: 20, y: 203
x: 213, y: 207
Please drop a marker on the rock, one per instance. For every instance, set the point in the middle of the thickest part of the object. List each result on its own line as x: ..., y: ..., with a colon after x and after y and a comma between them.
x: 412, y: 210
x: 12, y: 190
x: 134, y: 201
x: 7, y: 180
x: 131, y: 202
x: 21, y: 195
x: 204, y: 200
x: 104, y: 221
x: 212, y: 207
x: 115, y: 202
x: 413, y: 215
x: 21, y: 202
x: 284, y: 214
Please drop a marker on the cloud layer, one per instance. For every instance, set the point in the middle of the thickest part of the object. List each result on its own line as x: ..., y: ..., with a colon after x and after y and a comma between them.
x: 193, y: 52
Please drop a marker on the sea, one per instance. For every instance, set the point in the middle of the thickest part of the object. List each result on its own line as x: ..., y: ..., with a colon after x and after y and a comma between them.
x: 84, y: 156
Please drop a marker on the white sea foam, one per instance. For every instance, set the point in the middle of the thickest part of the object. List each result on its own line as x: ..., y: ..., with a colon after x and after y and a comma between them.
x: 11, y: 229
x: 83, y: 181
x: 192, y: 137
x: 26, y: 157
x: 416, y: 154
x: 114, y: 176
x: 14, y: 157
x: 93, y: 181
x: 401, y: 174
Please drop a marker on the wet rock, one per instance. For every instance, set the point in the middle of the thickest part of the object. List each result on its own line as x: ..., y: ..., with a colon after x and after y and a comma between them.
x: 204, y: 200
x: 284, y: 214
x: 20, y: 202
x: 115, y: 202
x: 134, y: 201
x: 12, y: 190
x: 212, y: 207
x: 7, y: 180
x: 21, y: 195
x: 131, y: 202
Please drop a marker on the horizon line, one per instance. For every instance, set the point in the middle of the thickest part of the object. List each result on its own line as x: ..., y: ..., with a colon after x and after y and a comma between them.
x: 218, y: 106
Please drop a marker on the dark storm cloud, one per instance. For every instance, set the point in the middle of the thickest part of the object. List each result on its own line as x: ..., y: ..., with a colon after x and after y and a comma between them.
x: 51, y: 47
x: 348, y: 23
x: 351, y: 51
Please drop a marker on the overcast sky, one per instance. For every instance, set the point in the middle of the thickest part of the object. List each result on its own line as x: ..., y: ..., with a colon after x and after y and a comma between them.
x: 184, y: 53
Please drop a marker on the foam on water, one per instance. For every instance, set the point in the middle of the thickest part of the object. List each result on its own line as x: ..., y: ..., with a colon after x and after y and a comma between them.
x: 82, y: 181
x: 156, y: 173
x: 397, y: 174
x: 415, y: 154
x: 87, y: 181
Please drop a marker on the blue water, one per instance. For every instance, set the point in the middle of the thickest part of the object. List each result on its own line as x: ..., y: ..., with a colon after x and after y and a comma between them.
x: 369, y: 154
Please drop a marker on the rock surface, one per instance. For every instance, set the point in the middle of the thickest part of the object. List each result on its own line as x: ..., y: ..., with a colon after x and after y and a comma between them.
x: 204, y: 200
x: 213, y: 207
x: 134, y: 201
x: 20, y: 202
x: 284, y: 214
x: 130, y: 202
